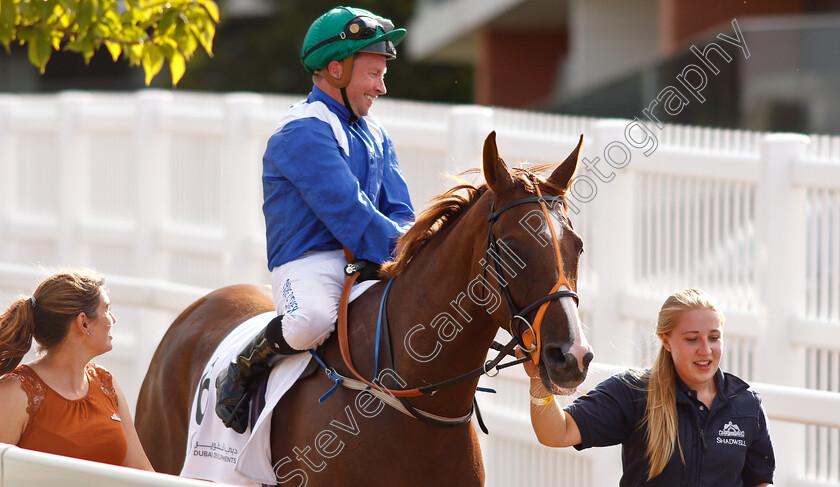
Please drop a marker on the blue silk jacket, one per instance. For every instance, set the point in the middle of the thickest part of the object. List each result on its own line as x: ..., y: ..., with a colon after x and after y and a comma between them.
x: 329, y: 183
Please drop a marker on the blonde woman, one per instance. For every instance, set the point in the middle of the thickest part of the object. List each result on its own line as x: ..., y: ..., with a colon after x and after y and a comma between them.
x: 681, y: 422
x: 61, y: 402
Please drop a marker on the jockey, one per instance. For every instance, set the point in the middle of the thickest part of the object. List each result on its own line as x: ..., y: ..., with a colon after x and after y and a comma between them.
x: 330, y: 180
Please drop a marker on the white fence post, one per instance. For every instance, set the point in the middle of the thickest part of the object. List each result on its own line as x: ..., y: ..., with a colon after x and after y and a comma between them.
x: 7, y: 102
x: 150, y: 161
x: 72, y: 169
x: 241, y: 176
x: 780, y: 278
x: 468, y: 127
x: 611, y: 240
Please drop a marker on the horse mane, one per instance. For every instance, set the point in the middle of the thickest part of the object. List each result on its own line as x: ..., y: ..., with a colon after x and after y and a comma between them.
x: 446, y: 208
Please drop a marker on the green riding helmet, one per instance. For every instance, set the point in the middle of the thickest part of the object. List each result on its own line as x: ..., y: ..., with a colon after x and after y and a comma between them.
x: 344, y: 31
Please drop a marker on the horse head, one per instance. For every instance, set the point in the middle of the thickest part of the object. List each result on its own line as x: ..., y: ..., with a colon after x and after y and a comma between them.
x: 534, y: 253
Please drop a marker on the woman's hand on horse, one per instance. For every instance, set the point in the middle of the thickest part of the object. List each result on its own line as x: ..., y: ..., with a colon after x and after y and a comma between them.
x: 537, y: 388
x: 530, y: 367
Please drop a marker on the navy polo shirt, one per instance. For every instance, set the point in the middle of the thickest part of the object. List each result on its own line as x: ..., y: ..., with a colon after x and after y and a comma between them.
x: 726, y: 446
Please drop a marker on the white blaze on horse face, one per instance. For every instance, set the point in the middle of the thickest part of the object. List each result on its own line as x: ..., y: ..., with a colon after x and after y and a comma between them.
x: 559, y: 225
x: 580, y: 345
x: 534, y: 223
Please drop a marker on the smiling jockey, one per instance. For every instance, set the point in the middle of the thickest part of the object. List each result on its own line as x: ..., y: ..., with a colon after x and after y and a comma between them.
x: 330, y: 180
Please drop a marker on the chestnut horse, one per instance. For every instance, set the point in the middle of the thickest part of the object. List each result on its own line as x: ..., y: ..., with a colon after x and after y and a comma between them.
x: 469, y: 265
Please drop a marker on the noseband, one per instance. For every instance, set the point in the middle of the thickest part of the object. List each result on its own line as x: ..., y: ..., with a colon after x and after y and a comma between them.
x: 529, y: 339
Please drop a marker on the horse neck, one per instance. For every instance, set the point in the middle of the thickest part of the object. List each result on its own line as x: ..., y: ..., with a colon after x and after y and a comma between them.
x: 440, y: 328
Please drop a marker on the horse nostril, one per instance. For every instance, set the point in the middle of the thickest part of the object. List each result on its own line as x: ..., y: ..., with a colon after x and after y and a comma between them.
x: 555, y: 356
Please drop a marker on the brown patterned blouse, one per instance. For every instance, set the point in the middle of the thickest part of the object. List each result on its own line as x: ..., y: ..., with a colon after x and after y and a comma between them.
x: 89, y: 428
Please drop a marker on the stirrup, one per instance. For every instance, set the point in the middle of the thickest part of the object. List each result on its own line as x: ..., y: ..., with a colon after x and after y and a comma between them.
x: 244, y: 402
x: 235, y: 384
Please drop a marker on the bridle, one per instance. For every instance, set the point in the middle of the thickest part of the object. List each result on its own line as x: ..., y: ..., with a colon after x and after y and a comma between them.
x: 528, y: 340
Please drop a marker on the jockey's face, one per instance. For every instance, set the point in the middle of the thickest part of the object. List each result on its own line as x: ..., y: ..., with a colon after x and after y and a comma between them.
x: 367, y: 82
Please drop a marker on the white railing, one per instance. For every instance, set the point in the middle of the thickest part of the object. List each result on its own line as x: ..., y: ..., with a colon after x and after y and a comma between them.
x: 24, y: 468
x: 156, y: 188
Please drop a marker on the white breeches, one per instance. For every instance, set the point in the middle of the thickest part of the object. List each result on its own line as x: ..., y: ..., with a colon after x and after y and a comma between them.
x: 306, y: 290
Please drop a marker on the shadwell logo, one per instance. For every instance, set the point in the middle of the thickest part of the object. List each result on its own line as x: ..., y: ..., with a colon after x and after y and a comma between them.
x: 730, y: 429
x: 731, y: 434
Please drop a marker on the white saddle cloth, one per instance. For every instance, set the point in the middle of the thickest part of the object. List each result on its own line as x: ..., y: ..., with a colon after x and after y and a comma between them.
x: 219, y: 454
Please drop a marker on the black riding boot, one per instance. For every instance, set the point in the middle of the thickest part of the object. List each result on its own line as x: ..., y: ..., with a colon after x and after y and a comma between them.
x: 233, y: 386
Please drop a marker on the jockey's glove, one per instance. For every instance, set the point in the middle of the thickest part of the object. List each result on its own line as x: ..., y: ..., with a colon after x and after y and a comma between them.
x: 367, y: 270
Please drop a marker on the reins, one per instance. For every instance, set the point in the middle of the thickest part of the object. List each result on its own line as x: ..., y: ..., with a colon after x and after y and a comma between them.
x: 344, y: 341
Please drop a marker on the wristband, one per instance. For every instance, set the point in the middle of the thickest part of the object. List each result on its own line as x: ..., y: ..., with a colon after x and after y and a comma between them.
x: 542, y: 401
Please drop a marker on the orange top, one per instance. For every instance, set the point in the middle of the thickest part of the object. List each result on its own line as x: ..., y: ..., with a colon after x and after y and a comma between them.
x: 89, y: 428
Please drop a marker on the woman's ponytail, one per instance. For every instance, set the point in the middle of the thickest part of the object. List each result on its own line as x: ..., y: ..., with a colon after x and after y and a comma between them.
x: 17, y: 326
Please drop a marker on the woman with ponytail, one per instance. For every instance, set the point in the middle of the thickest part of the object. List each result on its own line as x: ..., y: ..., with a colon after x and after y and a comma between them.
x: 681, y: 422
x: 61, y: 402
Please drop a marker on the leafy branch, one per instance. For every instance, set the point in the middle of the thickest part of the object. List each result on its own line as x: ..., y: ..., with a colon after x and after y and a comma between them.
x: 144, y: 32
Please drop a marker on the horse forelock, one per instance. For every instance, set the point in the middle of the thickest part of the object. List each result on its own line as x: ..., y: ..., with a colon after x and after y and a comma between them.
x: 445, y: 208
x: 524, y: 175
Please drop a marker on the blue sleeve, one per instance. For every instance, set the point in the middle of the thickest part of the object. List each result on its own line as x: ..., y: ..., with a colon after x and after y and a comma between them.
x: 394, y: 199
x: 760, y: 462
x: 606, y: 415
x: 307, y: 154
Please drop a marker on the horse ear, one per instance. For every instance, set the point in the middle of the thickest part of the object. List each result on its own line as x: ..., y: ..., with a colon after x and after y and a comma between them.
x: 495, y: 170
x: 562, y: 176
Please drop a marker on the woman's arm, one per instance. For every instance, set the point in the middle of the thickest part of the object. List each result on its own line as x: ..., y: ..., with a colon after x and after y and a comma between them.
x: 552, y: 425
x: 135, y: 457
x: 13, y: 404
x: 760, y: 461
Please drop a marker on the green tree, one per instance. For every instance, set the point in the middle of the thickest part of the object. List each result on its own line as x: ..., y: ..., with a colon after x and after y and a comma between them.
x: 145, y: 32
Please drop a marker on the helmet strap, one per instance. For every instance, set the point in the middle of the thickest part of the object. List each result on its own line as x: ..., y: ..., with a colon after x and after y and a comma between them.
x: 353, y: 116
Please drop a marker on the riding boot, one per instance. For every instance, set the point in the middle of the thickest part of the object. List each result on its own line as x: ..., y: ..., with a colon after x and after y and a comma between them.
x: 234, y: 385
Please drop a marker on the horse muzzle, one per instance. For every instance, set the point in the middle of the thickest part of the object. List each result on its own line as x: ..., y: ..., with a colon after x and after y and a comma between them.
x: 565, y: 364
x: 564, y: 370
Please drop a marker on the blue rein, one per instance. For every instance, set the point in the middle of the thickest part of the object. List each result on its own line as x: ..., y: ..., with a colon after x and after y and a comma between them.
x: 379, y: 327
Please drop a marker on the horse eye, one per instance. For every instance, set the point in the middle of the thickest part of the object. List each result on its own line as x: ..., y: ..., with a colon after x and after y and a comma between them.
x: 507, y: 249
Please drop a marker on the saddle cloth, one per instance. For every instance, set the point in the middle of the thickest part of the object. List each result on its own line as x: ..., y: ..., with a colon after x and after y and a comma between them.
x: 219, y: 454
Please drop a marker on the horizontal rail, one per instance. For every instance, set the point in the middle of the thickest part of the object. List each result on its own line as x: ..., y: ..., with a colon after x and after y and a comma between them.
x: 781, y: 403
x: 20, y: 467
x: 150, y: 293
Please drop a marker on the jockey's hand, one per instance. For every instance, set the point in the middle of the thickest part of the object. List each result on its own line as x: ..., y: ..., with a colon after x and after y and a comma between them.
x: 367, y: 270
